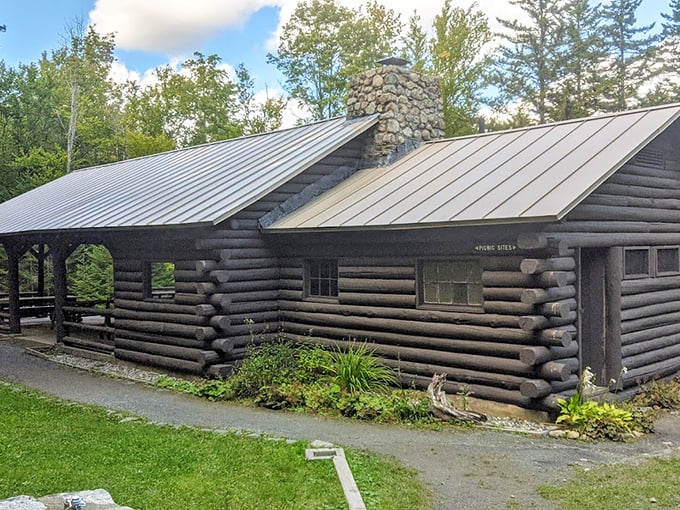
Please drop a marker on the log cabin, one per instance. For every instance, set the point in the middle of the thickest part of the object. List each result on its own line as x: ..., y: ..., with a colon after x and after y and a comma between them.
x: 508, y: 260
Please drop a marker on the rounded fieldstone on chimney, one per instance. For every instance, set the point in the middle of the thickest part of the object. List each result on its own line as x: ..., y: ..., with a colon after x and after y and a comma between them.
x: 409, y: 104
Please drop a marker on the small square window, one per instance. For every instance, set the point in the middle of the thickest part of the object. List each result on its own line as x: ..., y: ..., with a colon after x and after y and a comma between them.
x: 321, y: 278
x: 159, y: 280
x: 450, y: 282
x: 667, y: 260
x: 636, y: 262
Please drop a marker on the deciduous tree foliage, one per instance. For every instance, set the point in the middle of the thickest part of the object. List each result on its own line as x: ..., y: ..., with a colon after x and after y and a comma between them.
x: 323, y: 44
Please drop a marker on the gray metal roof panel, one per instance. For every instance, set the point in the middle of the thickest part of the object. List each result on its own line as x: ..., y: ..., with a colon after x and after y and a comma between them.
x: 523, y: 175
x: 197, y: 185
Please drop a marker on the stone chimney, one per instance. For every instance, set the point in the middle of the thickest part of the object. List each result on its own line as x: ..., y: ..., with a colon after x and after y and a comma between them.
x: 410, y: 107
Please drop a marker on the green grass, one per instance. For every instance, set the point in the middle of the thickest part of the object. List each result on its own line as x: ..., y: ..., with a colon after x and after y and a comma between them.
x: 620, y: 486
x: 48, y: 446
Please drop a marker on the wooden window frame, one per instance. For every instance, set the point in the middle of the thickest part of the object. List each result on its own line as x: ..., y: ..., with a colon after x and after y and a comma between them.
x: 637, y: 276
x: 652, y: 262
x: 452, y: 307
x: 657, y: 272
x: 308, y: 277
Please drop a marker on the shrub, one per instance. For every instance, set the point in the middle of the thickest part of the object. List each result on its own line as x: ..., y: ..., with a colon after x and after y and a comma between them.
x: 358, y: 370
x: 661, y: 394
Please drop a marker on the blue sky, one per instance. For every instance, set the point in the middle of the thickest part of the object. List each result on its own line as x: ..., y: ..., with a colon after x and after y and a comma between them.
x: 156, y: 32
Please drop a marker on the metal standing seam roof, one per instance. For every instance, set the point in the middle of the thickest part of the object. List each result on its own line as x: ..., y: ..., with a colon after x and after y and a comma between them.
x: 523, y: 175
x: 205, y: 184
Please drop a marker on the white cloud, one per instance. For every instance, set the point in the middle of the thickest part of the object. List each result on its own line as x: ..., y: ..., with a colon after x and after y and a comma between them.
x: 170, y: 26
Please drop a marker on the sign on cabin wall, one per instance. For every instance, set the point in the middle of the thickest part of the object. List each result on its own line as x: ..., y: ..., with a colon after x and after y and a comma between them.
x: 495, y: 248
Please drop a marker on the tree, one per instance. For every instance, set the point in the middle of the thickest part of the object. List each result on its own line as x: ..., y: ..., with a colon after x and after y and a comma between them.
x: 528, y: 62
x: 195, y: 104
x: 577, y: 91
x: 630, y: 48
x: 257, y: 117
x: 323, y: 44
x: 456, y: 53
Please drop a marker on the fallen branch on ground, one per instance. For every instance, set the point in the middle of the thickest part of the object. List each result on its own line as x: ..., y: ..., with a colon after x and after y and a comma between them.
x: 441, y: 408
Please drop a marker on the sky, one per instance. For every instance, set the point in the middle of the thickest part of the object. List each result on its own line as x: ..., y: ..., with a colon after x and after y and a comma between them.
x: 152, y: 33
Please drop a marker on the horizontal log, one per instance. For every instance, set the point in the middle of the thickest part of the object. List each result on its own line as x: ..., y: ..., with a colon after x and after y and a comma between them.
x: 652, y: 357
x: 612, y: 226
x: 226, y: 243
x: 128, y: 286
x: 556, y: 337
x: 647, y: 373
x: 221, y: 322
x: 507, y: 307
x: 205, y: 266
x: 161, y: 339
x: 377, y: 272
x: 454, y: 360
x: 650, y: 345
x: 256, y: 329
x: 535, y: 388
x: 499, y: 349
x: 537, y: 354
x: 649, y: 285
x: 120, y: 264
x: 234, y: 275
x: 205, y: 310
x: 481, y: 391
x: 200, y: 356
x: 459, y: 375
x: 245, y: 287
x: 220, y: 370
x: 650, y: 310
x: 638, y: 202
x: 185, y: 287
x: 651, y: 333
x: 134, y: 296
x: 538, y: 296
x: 189, y: 298
x: 561, y: 386
x: 159, y: 361
x: 252, y: 263
x: 161, y: 317
x: 375, y: 285
x: 128, y: 276
x: 253, y: 307
x: 162, y: 328
x: 461, y: 319
x: 649, y: 298
x: 558, y: 308
x: 88, y: 344
x: 254, y: 296
x: 556, y: 370
x: 229, y: 233
x: 647, y: 181
x: 532, y: 241
x: 649, y: 322
x: 535, y: 266
x: 221, y: 302
x: 205, y: 288
x: 242, y: 253
x: 219, y: 275
x: 223, y: 345
x: 154, y: 306
x: 517, y: 279
x: 502, y: 293
x: 188, y: 276
x: 535, y: 322
x: 367, y: 299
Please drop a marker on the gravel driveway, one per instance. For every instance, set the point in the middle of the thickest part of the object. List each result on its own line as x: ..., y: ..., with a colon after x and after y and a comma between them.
x: 466, y: 470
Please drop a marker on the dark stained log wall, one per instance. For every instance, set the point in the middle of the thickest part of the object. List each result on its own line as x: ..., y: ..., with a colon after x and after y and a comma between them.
x: 513, y: 349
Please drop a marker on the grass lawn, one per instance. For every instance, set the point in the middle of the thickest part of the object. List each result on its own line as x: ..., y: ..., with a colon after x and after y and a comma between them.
x: 49, y: 446
x: 621, y: 487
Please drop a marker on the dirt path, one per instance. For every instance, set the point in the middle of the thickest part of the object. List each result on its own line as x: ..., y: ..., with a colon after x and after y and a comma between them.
x: 466, y: 470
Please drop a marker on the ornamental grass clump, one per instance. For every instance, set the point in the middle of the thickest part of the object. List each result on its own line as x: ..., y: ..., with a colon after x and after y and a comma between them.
x: 357, y: 369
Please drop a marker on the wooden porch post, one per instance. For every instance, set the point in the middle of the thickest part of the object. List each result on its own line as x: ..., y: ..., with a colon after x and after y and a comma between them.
x: 60, y: 253
x: 613, y: 276
x: 13, y: 256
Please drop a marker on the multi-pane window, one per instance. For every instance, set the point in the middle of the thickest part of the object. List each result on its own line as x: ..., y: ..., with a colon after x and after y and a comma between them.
x: 322, y: 278
x: 667, y: 260
x: 636, y: 262
x: 651, y: 262
x: 451, y: 282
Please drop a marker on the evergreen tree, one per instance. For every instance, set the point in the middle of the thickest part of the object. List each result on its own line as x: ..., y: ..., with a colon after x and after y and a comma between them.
x: 578, y: 87
x: 529, y: 61
x: 630, y: 48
